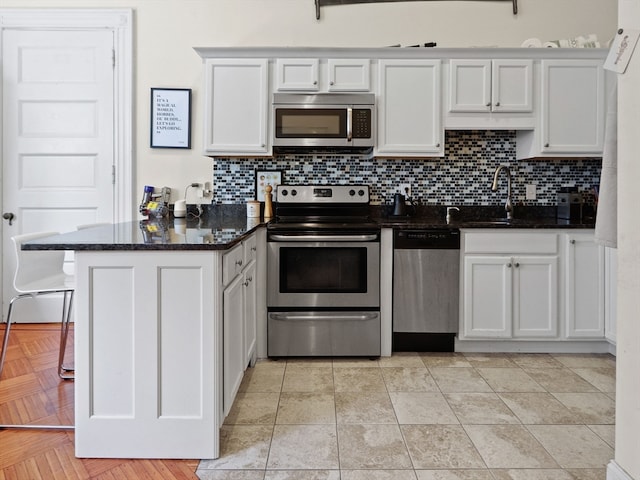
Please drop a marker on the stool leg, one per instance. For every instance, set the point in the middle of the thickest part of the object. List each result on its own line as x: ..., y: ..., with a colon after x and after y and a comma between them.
x: 5, y: 341
x: 64, y: 333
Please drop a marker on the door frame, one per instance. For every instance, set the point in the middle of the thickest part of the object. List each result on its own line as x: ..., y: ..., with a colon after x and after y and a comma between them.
x: 120, y: 22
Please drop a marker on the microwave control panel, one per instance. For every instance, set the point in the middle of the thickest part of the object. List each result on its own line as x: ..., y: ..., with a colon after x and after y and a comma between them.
x: 361, y: 123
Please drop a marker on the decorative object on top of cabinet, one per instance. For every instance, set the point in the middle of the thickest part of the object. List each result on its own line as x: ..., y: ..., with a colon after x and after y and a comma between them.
x: 571, y: 111
x: 297, y: 74
x: 324, y: 3
x: 409, y: 112
x: 236, y: 106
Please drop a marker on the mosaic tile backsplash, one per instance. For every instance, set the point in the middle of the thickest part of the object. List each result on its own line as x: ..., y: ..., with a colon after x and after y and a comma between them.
x: 462, y: 177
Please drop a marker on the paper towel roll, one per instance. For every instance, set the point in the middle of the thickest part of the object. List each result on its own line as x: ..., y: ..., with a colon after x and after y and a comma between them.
x: 180, y: 208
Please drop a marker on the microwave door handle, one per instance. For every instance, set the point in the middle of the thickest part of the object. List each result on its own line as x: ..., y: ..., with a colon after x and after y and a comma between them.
x: 349, y: 124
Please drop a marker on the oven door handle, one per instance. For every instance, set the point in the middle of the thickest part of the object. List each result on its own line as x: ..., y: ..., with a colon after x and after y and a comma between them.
x: 323, y: 316
x: 324, y: 238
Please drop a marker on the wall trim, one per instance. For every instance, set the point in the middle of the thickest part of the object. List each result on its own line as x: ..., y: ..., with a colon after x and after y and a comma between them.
x: 120, y: 22
x: 615, y: 472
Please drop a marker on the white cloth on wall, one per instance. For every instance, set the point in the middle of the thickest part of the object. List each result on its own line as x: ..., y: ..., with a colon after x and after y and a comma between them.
x: 607, y: 214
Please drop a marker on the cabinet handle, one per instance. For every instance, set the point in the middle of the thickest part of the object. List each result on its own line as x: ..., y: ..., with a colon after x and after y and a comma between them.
x: 573, y: 242
x: 331, y: 83
x: 497, y: 104
x: 249, y: 279
x: 488, y: 104
x: 315, y: 82
x: 239, y: 263
x: 253, y: 249
x: 517, y: 264
x: 509, y: 265
x: 546, y: 145
x: 246, y: 284
x: 438, y: 145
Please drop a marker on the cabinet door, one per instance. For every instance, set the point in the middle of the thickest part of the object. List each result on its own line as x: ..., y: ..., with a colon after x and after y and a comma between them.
x: 491, y: 86
x: 470, y: 86
x: 297, y: 74
x: 233, y: 341
x: 512, y: 86
x: 535, y: 296
x: 250, y: 312
x: 487, y: 295
x: 349, y: 75
x: 410, y: 123
x: 572, y: 109
x: 236, y: 106
x: 584, y: 287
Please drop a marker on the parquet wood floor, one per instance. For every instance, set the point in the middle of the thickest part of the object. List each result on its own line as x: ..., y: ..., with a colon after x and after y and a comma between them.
x: 31, y: 392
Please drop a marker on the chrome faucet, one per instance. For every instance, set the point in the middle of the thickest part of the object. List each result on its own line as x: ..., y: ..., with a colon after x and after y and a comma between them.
x: 494, y: 186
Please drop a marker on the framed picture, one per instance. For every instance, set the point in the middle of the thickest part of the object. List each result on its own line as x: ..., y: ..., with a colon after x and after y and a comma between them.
x: 264, y: 178
x: 170, y: 118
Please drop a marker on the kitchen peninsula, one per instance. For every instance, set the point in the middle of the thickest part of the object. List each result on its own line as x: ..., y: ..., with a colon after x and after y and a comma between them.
x: 152, y: 335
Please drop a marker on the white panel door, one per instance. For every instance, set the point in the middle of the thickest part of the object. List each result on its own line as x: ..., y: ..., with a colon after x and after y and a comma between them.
x: 58, y: 141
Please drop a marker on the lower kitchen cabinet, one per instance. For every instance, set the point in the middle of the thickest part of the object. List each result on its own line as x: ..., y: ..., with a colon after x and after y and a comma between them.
x: 239, y: 317
x: 530, y: 285
x: 233, y: 341
x: 510, y: 296
x: 585, y: 293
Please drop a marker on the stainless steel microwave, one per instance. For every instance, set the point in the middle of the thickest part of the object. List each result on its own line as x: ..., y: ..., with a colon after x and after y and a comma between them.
x: 341, y: 120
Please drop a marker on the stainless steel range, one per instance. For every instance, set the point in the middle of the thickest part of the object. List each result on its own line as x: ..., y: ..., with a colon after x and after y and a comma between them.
x: 323, y: 273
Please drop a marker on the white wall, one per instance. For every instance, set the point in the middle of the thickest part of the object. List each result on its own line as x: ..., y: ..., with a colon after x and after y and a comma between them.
x: 166, y: 31
x: 628, y: 334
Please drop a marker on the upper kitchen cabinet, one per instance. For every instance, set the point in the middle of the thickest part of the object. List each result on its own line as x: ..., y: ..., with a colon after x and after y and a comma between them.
x: 315, y: 75
x: 571, y: 111
x: 236, y: 106
x: 495, y: 94
x: 409, y: 113
x: 293, y: 74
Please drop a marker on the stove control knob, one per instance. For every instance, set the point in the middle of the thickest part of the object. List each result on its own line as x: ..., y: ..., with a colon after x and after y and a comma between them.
x: 294, y: 192
x: 361, y: 193
x: 284, y: 192
x: 352, y: 192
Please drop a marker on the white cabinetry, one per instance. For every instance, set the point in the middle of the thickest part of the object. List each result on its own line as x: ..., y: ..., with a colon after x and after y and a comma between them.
x: 239, y: 316
x: 236, y: 106
x: 314, y: 74
x: 147, y: 348
x: 495, y: 94
x: 584, y: 286
x: 409, y: 112
x: 297, y: 74
x: 571, y: 111
x: 510, y: 285
x: 491, y: 86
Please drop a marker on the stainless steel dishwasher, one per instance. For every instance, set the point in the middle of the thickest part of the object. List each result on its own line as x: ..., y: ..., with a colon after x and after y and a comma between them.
x: 426, y: 285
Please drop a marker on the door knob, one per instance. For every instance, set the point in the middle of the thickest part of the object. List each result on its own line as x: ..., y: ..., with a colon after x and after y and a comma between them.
x: 9, y: 216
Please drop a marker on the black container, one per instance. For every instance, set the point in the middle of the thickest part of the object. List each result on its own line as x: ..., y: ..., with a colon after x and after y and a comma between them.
x: 569, y: 205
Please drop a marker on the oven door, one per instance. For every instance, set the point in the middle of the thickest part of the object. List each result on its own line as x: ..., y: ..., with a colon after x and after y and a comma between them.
x: 315, y: 271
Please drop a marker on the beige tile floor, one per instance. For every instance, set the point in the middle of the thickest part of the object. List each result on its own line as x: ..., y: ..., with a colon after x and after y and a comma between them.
x: 427, y: 416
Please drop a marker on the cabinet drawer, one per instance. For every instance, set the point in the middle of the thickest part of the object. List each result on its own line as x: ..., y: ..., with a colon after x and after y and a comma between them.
x: 505, y: 243
x: 250, y: 249
x: 232, y: 263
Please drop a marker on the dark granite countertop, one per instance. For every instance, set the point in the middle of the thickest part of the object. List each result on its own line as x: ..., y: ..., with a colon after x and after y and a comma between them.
x: 222, y: 227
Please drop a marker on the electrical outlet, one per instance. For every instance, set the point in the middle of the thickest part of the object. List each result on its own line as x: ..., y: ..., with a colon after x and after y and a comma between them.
x: 405, y: 189
x: 531, y: 192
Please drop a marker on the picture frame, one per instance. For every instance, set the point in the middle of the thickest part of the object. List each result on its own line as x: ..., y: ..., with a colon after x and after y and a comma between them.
x: 264, y: 178
x: 170, y: 123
